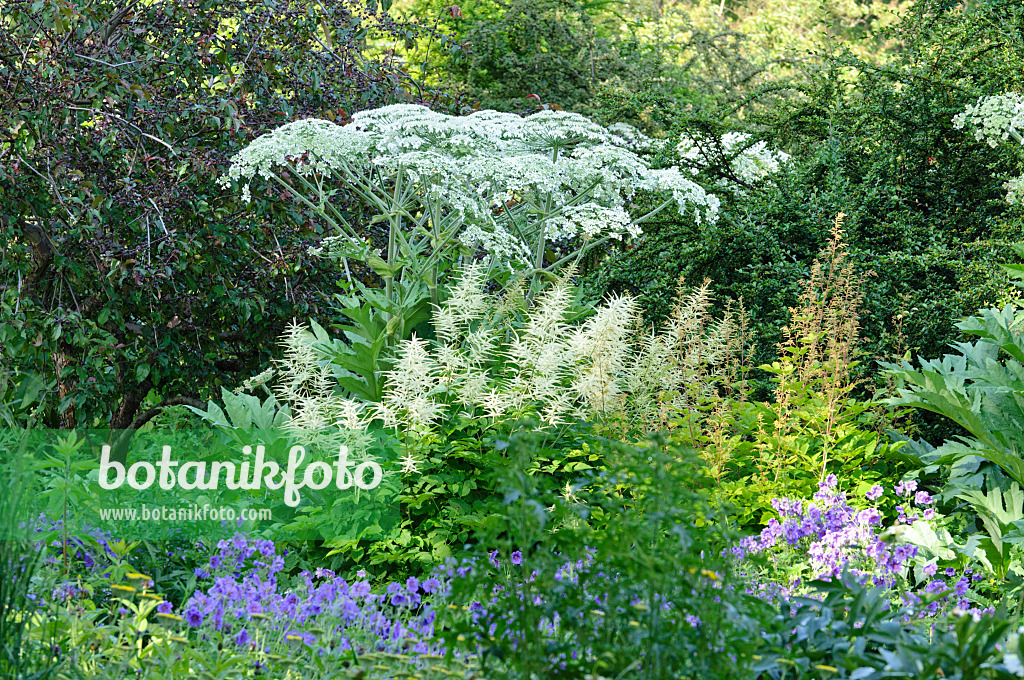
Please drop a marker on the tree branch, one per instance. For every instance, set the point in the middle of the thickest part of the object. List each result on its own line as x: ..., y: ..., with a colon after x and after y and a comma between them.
x: 147, y: 416
x: 135, y: 127
x: 119, y: 446
x: 42, y: 251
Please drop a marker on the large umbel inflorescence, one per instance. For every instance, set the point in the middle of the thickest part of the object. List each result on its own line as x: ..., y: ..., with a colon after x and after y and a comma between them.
x: 996, y: 120
x: 573, y: 176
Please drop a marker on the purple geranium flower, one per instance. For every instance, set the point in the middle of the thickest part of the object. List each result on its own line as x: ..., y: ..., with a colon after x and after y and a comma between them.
x: 906, y: 488
x: 194, y: 617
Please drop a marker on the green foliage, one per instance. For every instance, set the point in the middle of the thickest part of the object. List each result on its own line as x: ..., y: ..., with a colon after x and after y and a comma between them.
x: 358, y: 363
x: 597, y: 57
x: 852, y: 632
x: 793, y: 28
x: 243, y: 411
x: 775, y: 459
x: 980, y: 388
x: 586, y: 572
x: 757, y: 451
x: 561, y: 51
x: 1015, y: 272
x: 135, y: 281
x: 1001, y: 512
x: 447, y: 502
x: 23, y: 381
x: 924, y: 202
x: 815, y: 424
x: 20, y: 559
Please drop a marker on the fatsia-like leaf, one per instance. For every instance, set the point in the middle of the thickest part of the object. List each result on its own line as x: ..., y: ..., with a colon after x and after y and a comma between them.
x: 998, y: 508
x: 243, y: 411
x: 981, y: 388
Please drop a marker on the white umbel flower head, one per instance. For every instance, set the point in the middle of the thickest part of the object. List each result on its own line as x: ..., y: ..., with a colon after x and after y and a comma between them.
x: 995, y: 119
x: 480, y: 165
x: 1015, y: 190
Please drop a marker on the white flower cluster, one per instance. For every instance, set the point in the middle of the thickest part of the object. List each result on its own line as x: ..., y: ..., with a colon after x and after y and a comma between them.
x: 341, y: 245
x: 495, y: 358
x: 555, y: 164
x: 749, y: 162
x: 751, y: 165
x: 305, y: 381
x: 1015, y: 190
x: 545, y: 364
x: 411, y: 386
x: 588, y: 221
x: 996, y: 120
x: 625, y: 135
x: 601, y: 351
x: 1012, y: 653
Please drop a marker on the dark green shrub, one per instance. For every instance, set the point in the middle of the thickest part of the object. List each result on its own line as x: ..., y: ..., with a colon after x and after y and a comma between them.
x: 591, y: 56
x: 129, y: 279
x: 924, y: 202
